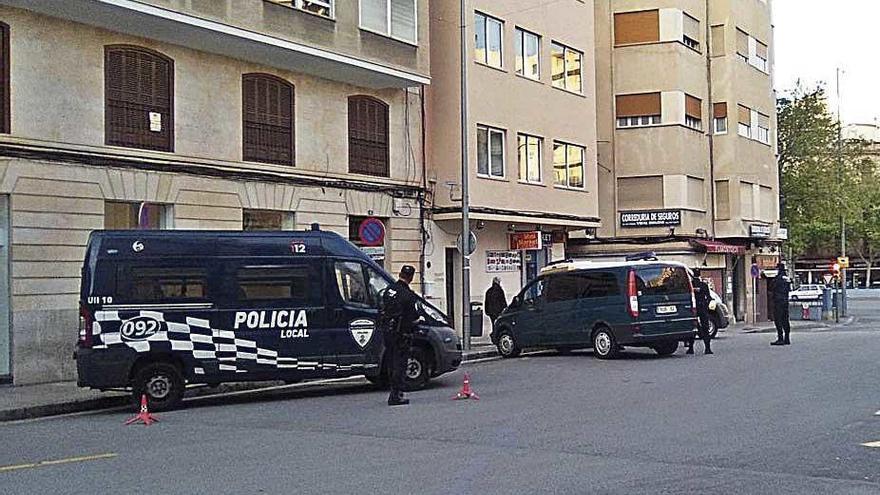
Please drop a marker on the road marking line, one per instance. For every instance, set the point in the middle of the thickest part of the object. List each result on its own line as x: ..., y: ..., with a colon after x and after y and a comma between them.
x: 55, y: 462
x: 875, y: 445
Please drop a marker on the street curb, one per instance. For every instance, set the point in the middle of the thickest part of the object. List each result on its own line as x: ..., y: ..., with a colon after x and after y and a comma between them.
x: 849, y: 320
x: 75, y: 406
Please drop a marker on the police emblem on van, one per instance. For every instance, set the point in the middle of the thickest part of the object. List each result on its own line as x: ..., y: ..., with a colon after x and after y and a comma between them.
x: 362, y: 331
x: 139, y: 328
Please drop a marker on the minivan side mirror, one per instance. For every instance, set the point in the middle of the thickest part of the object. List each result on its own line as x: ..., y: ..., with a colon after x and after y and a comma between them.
x: 516, y: 302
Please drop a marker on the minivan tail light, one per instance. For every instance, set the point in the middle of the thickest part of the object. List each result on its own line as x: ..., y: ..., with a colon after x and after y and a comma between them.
x: 632, y: 294
x: 85, y: 327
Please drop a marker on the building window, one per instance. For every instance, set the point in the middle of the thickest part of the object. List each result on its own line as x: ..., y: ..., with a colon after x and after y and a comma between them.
x: 125, y: 215
x: 529, y: 150
x: 718, y: 40
x: 323, y: 8
x: 759, y: 61
x: 719, y: 116
x: 528, y: 58
x: 568, y: 165
x: 636, y: 27
x: 742, y: 45
x: 745, y: 122
x: 367, y: 136
x: 394, y: 18
x: 691, y: 32
x: 488, y: 33
x: 138, y: 104
x: 490, y: 152
x: 5, y: 111
x: 266, y: 220
x: 763, y: 128
x: 267, y: 119
x: 638, y: 110
x: 693, y: 112
x: 565, y: 64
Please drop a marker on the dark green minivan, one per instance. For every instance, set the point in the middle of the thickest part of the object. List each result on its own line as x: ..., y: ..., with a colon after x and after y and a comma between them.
x: 603, y: 305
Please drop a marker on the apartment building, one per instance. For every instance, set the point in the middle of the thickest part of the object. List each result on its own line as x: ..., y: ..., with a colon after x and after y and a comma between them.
x: 686, y: 141
x: 531, y: 126
x: 196, y: 114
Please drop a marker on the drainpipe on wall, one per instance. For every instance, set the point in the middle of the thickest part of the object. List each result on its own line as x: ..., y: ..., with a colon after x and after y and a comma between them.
x: 711, y: 132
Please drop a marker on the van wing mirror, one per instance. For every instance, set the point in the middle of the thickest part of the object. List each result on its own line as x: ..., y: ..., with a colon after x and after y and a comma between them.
x: 517, y: 302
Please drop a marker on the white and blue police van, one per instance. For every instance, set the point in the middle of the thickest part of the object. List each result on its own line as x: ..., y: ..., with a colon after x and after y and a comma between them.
x: 163, y: 309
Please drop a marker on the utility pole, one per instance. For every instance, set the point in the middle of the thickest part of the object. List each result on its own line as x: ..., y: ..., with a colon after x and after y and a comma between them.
x: 465, y: 170
x: 842, y: 303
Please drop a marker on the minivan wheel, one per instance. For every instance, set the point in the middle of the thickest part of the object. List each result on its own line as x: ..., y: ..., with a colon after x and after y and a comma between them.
x: 417, y: 371
x: 161, y: 382
x: 507, y: 346
x: 604, y: 344
x: 666, y: 348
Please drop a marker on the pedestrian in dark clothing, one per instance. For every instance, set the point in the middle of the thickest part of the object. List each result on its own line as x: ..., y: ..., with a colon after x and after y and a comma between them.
x: 703, y: 297
x: 495, y: 300
x: 397, y: 318
x: 781, y: 288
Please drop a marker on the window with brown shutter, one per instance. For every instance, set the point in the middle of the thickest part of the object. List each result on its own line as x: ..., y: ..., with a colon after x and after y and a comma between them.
x: 638, y: 110
x: 5, y: 127
x: 693, y: 107
x: 267, y: 119
x: 719, y: 114
x: 139, y: 105
x: 367, y: 136
x: 637, y: 27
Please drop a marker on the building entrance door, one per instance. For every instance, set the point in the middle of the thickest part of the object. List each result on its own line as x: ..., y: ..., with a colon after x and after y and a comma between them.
x: 451, y: 254
x: 5, y: 354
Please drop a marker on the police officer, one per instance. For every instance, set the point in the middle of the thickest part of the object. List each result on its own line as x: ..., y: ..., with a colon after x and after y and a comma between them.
x: 703, y: 298
x: 398, y: 316
x: 781, y: 288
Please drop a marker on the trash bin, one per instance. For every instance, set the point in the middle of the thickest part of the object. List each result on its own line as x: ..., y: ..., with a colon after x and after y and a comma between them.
x: 476, y: 319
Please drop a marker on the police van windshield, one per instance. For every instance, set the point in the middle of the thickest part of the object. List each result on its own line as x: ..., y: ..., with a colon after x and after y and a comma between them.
x: 662, y: 280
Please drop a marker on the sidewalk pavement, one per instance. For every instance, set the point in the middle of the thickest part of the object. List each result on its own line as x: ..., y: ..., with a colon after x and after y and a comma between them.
x: 51, y: 399
x: 796, y: 326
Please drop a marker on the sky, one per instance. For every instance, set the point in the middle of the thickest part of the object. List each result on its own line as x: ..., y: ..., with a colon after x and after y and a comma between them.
x: 814, y: 37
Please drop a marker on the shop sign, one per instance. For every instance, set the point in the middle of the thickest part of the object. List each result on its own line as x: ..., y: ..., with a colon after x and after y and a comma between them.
x: 502, y: 261
x: 525, y: 241
x: 376, y: 253
x: 547, y: 238
x: 654, y: 218
x: 759, y: 231
x: 767, y: 262
x: 782, y: 233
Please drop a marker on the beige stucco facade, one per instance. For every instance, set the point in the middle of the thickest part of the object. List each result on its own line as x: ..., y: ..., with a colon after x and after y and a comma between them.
x: 56, y: 173
x: 505, y: 101
x: 718, y: 182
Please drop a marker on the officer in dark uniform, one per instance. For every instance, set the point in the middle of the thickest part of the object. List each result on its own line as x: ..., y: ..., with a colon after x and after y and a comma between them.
x: 781, y: 288
x: 703, y: 297
x: 398, y: 317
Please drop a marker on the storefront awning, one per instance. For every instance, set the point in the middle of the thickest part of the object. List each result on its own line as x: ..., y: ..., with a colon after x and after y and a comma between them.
x: 716, y: 247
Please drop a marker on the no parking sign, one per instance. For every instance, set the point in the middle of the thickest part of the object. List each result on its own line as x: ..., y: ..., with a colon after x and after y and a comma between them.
x: 372, y: 232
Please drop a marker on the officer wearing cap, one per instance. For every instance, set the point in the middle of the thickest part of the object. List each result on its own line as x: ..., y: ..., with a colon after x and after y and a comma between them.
x: 398, y: 316
x: 702, y: 297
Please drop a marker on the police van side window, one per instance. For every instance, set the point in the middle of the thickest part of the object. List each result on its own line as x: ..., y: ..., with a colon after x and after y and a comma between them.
x: 600, y: 284
x: 268, y: 285
x: 166, y: 284
x: 534, y: 292
x: 351, y: 283
x: 376, y: 283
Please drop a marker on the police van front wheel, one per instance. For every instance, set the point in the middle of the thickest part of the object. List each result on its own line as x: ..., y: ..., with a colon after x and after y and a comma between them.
x: 161, y: 382
x: 604, y: 344
x: 507, y: 345
x: 418, y: 370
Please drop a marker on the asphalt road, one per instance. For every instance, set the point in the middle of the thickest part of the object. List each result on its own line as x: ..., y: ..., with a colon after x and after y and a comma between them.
x: 749, y: 419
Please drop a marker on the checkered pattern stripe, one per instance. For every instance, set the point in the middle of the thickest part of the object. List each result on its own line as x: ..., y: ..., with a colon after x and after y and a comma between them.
x: 204, y: 343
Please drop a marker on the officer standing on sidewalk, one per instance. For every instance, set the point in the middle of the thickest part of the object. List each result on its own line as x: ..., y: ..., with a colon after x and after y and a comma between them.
x: 397, y: 317
x: 703, y: 298
x: 781, y: 288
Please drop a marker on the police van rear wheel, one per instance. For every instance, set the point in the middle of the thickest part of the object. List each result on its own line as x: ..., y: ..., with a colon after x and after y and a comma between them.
x: 666, y: 348
x: 162, y: 383
x: 604, y: 344
x: 418, y: 370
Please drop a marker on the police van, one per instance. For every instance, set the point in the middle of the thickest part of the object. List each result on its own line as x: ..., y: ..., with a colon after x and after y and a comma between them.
x: 603, y: 305
x: 163, y: 309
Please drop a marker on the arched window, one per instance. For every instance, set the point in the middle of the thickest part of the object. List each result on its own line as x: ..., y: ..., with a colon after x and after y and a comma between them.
x: 139, y: 98
x: 5, y: 128
x: 367, y: 136
x: 267, y: 119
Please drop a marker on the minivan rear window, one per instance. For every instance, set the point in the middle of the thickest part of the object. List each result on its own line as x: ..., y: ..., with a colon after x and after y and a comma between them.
x: 662, y: 280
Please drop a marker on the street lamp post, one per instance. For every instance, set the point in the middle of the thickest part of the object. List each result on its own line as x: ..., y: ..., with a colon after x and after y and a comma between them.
x: 842, y: 303
x: 465, y: 221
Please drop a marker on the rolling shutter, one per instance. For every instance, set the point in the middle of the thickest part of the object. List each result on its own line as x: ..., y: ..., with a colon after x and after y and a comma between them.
x: 761, y: 50
x: 742, y: 43
x: 745, y: 115
x: 138, y: 98
x: 719, y: 110
x: 638, y: 105
x: 367, y: 136
x: 267, y: 119
x: 693, y: 107
x: 4, y: 80
x: 637, y: 27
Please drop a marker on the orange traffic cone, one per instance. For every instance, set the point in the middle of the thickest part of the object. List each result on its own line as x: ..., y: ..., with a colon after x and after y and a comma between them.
x: 144, y: 416
x: 466, y: 392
